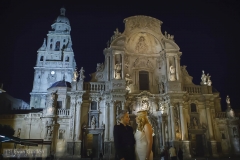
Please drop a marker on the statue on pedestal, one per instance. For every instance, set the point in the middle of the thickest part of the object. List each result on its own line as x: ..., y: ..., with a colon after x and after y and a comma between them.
x: 81, y: 74
x: 75, y: 75
x: 209, y: 82
x: 204, y: 78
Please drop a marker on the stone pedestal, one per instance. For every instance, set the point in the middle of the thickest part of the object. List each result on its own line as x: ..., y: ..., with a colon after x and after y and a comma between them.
x: 214, y: 148
x: 174, y: 86
x: 109, y: 150
x: 80, y: 85
x: 74, y: 86
x: 186, y: 149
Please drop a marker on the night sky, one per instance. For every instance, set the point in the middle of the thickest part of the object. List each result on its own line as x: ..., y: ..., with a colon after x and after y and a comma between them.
x: 208, y: 34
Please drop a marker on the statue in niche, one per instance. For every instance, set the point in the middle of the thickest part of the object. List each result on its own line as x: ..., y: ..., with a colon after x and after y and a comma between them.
x: 172, y: 73
x: 75, y: 75
x: 81, y: 74
x: 195, y: 125
x: 93, y: 123
x: 118, y: 69
x: 235, y: 135
x: 141, y: 46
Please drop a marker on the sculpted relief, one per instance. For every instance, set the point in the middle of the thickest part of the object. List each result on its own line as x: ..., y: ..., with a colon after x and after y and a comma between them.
x: 141, y: 46
x: 143, y: 43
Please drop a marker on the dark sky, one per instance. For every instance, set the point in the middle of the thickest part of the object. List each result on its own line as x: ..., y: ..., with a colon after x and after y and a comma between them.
x: 208, y: 34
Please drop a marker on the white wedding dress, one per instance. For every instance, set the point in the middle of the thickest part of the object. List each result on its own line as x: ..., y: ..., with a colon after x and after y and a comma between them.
x: 141, y: 146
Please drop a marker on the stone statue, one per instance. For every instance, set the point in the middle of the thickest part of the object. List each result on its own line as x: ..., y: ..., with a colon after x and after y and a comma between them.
x: 195, y: 123
x: 103, y: 125
x: 75, y: 75
x: 19, y: 132
x: 118, y: 69
x: 93, y: 123
x: 172, y: 73
x: 99, y: 67
x: 128, y: 80
x: 228, y: 100
x: 209, y: 82
x: 81, y: 76
x: 204, y: 78
x: 145, y: 105
x: 141, y: 46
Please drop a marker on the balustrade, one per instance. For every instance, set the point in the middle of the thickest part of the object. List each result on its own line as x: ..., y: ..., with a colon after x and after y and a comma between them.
x: 193, y: 90
x: 94, y: 86
x: 221, y: 115
x: 63, y: 112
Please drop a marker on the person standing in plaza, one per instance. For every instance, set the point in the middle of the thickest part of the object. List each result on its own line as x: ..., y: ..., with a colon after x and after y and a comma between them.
x: 124, y: 138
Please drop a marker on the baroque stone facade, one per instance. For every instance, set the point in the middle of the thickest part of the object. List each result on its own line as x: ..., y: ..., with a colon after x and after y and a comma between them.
x: 141, y: 71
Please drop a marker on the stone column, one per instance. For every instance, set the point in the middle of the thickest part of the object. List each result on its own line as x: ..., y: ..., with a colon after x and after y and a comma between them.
x: 163, y: 133
x: 183, y: 124
x: 112, y: 121
x: 113, y: 66
x: 123, y: 105
x: 78, y: 120
x: 43, y: 100
x: 72, y: 120
x: 122, y: 60
x: 176, y: 65
x: 210, y: 127
x: 169, y: 126
x: 172, y: 122
x: 168, y: 73
x: 106, y: 135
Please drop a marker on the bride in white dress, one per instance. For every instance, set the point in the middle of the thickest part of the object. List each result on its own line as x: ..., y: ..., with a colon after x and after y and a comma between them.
x: 143, y: 137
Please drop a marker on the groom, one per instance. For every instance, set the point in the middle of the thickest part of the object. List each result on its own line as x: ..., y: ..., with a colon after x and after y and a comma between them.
x: 123, y: 138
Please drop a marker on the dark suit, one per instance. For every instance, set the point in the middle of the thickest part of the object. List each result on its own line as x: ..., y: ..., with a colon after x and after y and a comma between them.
x: 124, y: 142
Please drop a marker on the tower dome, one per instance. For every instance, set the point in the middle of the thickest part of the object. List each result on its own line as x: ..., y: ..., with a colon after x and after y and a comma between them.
x: 62, y: 23
x: 61, y: 18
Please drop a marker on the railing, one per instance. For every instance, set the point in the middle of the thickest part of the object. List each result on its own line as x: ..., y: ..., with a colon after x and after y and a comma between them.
x: 221, y: 115
x: 55, y: 64
x: 94, y: 86
x: 193, y: 90
x: 63, y: 112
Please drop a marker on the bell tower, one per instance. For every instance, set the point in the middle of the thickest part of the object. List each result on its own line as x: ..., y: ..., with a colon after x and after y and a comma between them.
x: 55, y: 60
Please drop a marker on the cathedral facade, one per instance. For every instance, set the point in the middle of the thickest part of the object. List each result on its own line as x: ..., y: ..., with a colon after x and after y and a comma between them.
x: 141, y: 71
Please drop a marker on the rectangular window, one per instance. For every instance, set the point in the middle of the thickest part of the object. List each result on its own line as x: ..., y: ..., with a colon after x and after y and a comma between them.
x: 59, y: 104
x: 143, y: 80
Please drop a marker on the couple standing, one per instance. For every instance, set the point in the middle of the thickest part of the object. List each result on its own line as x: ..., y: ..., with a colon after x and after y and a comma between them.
x: 131, y: 146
